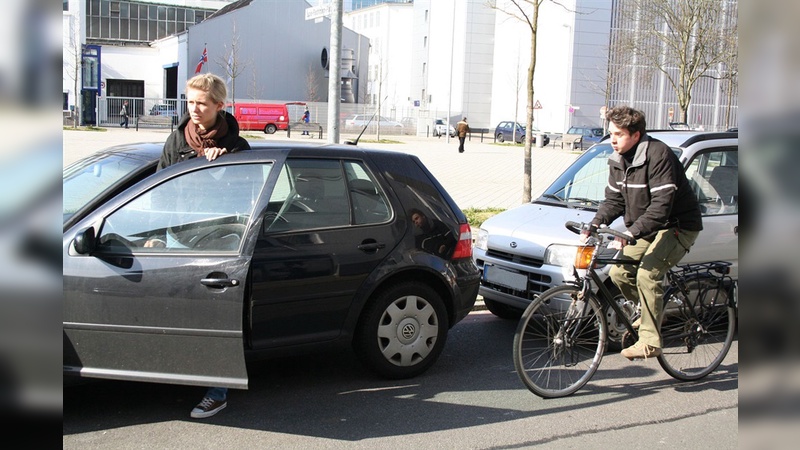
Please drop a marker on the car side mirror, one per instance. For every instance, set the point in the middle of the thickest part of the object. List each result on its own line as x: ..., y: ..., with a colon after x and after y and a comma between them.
x: 85, y: 241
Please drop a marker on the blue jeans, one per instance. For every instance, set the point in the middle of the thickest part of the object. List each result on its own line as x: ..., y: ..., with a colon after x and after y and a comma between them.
x: 217, y: 393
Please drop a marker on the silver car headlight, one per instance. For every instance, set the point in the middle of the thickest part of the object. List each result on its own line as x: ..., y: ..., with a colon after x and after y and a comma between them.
x: 560, y: 255
x: 482, y: 241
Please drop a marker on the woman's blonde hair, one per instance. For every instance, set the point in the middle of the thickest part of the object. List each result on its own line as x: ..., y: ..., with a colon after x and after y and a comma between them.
x: 211, y: 85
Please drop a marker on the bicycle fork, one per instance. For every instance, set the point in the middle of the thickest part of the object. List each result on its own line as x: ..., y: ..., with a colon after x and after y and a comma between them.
x: 567, y: 335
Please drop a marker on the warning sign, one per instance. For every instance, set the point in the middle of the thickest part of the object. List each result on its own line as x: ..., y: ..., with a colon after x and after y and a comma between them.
x: 537, y: 105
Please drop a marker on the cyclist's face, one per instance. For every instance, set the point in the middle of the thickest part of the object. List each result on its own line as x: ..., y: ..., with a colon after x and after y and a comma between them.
x: 621, y: 139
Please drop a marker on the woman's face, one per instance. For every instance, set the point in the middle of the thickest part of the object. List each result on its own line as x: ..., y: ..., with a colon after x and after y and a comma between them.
x: 202, y: 109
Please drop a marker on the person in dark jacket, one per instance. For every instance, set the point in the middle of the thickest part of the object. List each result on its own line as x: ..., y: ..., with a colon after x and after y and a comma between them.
x: 206, y: 130
x: 648, y: 187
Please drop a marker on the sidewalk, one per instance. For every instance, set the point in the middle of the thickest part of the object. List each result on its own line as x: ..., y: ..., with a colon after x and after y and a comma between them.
x: 486, y: 175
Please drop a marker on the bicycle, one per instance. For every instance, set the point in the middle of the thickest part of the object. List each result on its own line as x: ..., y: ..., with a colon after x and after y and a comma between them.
x: 561, y: 337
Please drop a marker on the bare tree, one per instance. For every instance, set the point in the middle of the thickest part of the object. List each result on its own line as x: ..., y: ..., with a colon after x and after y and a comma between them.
x: 73, y: 63
x: 526, y: 11
x: 234, y: 65
x: 254, y: 87
x: 681, y: 39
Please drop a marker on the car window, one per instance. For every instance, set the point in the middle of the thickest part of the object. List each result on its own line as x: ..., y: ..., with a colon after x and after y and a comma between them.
x: 325, y: 193
x: 598, y: 132
x: 200, y: 211
x: 586, y: 178
x: 83, y: 183
x: 714, y: 177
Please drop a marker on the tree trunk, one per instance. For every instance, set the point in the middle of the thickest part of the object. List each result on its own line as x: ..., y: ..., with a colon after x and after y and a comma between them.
x: 526, y: 184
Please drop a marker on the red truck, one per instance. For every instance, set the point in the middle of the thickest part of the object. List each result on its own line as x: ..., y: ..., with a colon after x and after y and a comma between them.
x: 268, y: 117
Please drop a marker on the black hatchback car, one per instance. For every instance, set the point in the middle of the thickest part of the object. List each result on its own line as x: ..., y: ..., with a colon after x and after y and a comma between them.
x: 183, y: 276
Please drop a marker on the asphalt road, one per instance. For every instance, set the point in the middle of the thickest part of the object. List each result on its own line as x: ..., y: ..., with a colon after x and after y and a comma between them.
x: 470, y: 399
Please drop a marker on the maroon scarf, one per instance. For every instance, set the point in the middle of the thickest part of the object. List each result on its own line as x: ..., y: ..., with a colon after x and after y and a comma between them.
x: 200, y: 139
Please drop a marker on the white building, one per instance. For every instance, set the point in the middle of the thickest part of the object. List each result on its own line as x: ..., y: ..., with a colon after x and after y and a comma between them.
x: 426, y: 59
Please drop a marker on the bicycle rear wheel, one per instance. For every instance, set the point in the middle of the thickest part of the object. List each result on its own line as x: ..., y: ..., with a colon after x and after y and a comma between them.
x: 697, y: 331
x: 559, y: 342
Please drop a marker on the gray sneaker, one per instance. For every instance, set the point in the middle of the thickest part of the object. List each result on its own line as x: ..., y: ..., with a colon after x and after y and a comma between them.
x: 208, y: 407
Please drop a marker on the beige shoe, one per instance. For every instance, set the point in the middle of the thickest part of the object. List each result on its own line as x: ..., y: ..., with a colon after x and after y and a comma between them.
x: 640, y: 351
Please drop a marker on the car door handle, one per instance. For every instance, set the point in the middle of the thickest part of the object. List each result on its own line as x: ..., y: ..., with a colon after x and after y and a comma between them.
x: 371, y: 246
x: 219, y: 282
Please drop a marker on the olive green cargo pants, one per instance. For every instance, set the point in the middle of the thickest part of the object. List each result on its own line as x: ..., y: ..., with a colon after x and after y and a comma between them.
x: 645, y: 281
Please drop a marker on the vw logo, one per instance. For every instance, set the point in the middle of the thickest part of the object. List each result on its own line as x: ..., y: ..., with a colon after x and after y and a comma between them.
x: 513, y: 245
x: 408, y: 331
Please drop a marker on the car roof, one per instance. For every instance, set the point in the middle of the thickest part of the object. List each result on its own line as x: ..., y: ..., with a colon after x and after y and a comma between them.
x: 680, y: 138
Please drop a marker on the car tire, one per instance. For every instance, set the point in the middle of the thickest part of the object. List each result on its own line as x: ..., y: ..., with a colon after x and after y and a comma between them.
x: 502, y: 311
x: 270, y: 129
x: 500, y: 138
x: 402, y: 331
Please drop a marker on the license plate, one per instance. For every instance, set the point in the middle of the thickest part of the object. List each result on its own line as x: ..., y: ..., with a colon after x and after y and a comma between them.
x: 513, y: 280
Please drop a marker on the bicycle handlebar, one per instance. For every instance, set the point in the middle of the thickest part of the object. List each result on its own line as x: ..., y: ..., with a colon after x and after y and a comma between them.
x: 578, y: 228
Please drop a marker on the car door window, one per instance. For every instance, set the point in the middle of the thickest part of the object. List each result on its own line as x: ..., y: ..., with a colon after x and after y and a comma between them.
x: 314, y: 193
x: 200, y: 211
x: 714, y: 177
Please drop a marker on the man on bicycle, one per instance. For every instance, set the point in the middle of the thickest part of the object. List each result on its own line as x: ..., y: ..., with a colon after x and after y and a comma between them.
x: 648, y: 187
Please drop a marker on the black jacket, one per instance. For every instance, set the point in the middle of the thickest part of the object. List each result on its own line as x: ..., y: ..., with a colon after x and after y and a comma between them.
x: 176, y: 149
x: 652, y: 193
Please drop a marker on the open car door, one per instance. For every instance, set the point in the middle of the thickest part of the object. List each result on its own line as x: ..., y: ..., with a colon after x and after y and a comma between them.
x: 155, y: 280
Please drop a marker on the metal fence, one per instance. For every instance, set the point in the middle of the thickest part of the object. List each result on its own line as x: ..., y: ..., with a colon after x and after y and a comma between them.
x: 415, y: 121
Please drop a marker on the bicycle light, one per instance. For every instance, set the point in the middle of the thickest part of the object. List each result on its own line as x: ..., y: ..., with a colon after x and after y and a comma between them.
x: 583, y: 256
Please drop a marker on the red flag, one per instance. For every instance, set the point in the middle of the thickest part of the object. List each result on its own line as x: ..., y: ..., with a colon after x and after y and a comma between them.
x: 203, y: 59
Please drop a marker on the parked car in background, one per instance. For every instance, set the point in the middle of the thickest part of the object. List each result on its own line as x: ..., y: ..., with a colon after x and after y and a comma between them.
x: 589, y: 135
x: 526, y: 250
x: 506, y: 131
x: 441, y: 127
x: 165, y: 109
x: 279, y: 248
x: 358, y: 121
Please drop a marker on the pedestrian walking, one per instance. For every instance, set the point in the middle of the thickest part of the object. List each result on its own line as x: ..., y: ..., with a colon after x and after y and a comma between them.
x: 123, y: 113
x: 462, y: 128
x: 306, y: 119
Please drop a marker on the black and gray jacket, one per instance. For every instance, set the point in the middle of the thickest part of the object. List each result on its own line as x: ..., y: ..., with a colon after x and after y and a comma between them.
x: 652, y: 193
x: 176, y: 149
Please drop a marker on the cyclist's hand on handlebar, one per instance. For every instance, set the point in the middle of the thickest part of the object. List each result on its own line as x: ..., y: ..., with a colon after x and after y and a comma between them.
x: 586, y: 232
x: 619, y: 243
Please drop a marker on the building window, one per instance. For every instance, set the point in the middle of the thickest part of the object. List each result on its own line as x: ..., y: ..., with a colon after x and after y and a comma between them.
x: 423, y: 68
x: 133, y: 21
x: 425, y: 41
x: 426, y: 16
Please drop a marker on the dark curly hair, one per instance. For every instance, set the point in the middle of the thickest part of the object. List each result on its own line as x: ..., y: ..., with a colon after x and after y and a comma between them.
x: 627, y: 118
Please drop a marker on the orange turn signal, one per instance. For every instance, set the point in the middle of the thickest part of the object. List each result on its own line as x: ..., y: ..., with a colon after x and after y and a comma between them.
x: 583, y: 256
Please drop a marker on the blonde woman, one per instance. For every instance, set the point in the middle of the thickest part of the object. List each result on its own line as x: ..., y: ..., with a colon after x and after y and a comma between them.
x: 206, y: 129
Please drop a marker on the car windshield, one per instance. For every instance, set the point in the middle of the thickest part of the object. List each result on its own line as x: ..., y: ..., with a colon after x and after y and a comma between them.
x: 583, y: 183
x: 89, y: 178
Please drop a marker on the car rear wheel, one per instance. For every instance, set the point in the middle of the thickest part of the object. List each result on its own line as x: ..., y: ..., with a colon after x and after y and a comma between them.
x: 500, y: 138
x: 270, y: 129
x: 402, y: 331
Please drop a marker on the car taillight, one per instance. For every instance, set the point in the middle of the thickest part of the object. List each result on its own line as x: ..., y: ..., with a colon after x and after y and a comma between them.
x: 464, y: 245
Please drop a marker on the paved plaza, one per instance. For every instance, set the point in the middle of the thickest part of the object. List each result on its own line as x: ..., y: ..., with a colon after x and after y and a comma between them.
x: 486, y: 175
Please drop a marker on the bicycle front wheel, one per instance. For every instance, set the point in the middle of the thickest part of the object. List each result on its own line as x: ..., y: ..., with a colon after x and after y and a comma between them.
x: 696, y: 329
x: 559, y: 342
